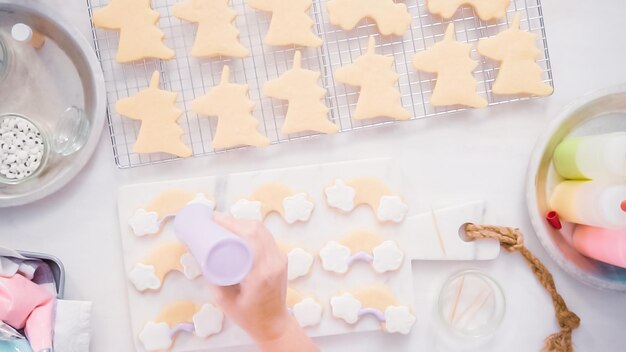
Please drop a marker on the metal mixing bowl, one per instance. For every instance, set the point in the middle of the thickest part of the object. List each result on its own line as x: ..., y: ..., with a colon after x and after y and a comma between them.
x: 599, y: 112
x: 42, y: 84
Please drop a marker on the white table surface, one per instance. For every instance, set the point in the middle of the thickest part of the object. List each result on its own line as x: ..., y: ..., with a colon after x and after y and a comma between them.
x: 479, y: 154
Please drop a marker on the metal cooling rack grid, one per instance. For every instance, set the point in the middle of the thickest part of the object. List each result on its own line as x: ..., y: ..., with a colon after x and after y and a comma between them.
x: 192, y: 77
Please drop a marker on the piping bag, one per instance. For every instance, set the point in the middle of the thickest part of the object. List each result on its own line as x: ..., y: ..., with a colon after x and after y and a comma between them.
x: 24, y: 304
x: 225, y: 258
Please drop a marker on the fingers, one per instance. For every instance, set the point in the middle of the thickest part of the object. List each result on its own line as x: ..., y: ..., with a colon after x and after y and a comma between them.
x: 225, y: 296
x: 252, y: 231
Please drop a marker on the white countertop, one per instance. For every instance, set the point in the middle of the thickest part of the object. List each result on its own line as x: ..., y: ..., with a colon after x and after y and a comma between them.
x: 479, y: 154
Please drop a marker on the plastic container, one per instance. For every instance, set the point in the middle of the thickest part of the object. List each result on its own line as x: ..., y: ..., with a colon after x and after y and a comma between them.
x: 593, y: 203
x: 595, y: 157
x: 225, y: 259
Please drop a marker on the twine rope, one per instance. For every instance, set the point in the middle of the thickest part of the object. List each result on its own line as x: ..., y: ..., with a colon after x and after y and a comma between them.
x: 512, y: 240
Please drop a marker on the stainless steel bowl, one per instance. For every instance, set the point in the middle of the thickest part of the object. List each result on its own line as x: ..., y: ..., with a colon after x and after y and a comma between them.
x: 599, y: 112
x: 42, y: 84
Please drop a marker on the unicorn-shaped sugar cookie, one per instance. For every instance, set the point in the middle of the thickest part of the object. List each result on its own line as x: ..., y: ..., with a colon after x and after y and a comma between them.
x: 306, y: 111
x: 140, y: 38
x: 229, y: 102
x: 390, y: 17
x: 485, y: 9
x: 157, y: 111
x: 517, y: 53
x: 379, y: 95
x: 216, y: 36
x: 454, y: 67
x: 290, y: 24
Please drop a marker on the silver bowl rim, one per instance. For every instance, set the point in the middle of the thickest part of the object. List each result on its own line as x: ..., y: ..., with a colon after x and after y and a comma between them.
x: 99, y: 101
x: 536, y: 218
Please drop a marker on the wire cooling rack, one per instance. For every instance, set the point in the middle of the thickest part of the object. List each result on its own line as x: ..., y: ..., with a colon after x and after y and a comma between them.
x: 192, y: 77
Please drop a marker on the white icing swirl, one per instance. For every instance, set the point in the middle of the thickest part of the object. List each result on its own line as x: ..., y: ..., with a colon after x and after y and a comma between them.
x: 200, y: 198
x: 391, y: 208
x: 155, y: 336
x: 346, y: 307
x: 308, y: 312
x: 340, y: 196
x: 247, y: 209
x: 299, y: 263
x: 191, y: 268
x: 335, y: 257
x: 144, y: 277
x: 399, y: 319
x: 387, y: 257
x: 297, y: 208
x: 208, y: 321
x: 144, y: 223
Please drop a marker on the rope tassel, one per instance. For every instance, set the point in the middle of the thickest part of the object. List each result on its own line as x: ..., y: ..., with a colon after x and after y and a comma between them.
x: 512, y: 240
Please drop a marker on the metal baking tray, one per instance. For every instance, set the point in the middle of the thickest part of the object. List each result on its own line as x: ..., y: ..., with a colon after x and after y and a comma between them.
x: 599, y: 112
x: 58, y: 270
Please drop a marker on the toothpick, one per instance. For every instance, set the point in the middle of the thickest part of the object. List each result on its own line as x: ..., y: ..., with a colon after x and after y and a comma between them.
x: 458, y: 297
x: 438, y: 232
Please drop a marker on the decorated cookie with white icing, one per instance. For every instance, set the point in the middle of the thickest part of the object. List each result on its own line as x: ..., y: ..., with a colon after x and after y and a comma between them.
x: 149, y: 273
x: 183, y: 316
x: 362, y: 246
x: 346, y: 195
x: 149, y: 219
x: 299, y: 263
x: 377, y: 301
x: 306, y: 310
x: 274, y: 197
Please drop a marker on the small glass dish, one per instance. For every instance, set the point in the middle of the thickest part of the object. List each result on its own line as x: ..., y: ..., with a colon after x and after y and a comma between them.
x: 471, y: 304
x: 45, y: 153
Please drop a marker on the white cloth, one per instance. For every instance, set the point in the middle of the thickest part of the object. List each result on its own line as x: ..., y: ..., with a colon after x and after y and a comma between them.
x: 72, y: 329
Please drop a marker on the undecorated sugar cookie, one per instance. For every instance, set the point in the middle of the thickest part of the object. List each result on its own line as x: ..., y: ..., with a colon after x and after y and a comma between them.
x: 517, y: 53
x: 377, y: 301
x: 216, y: 36
x: 346, y: 195
x: 301, y: 88
x: 363, y: 246
x: 157, y: 111
x: 306, y: 310
x: 149, y: 273
x: 148, y: 220
x: 140, y: 38
x: 390, y: 17
x: 485, y: 9
x: 290, y: 24
x: 274, y: 197
x: 454, y: 67
x: 229, y: 102
x: 379, y: 95
x: 178, y: 317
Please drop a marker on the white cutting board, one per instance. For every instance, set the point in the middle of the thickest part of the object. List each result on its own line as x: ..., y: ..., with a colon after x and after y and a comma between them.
x: 415, y: 234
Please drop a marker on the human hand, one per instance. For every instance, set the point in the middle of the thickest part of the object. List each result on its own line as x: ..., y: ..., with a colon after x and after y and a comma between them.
x: 258, y: 304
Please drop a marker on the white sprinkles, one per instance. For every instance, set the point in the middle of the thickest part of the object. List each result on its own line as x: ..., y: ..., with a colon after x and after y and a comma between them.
x: 21, y: 148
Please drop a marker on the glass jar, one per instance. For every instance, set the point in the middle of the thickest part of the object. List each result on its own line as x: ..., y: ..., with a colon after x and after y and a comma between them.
x: 24, y: 157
